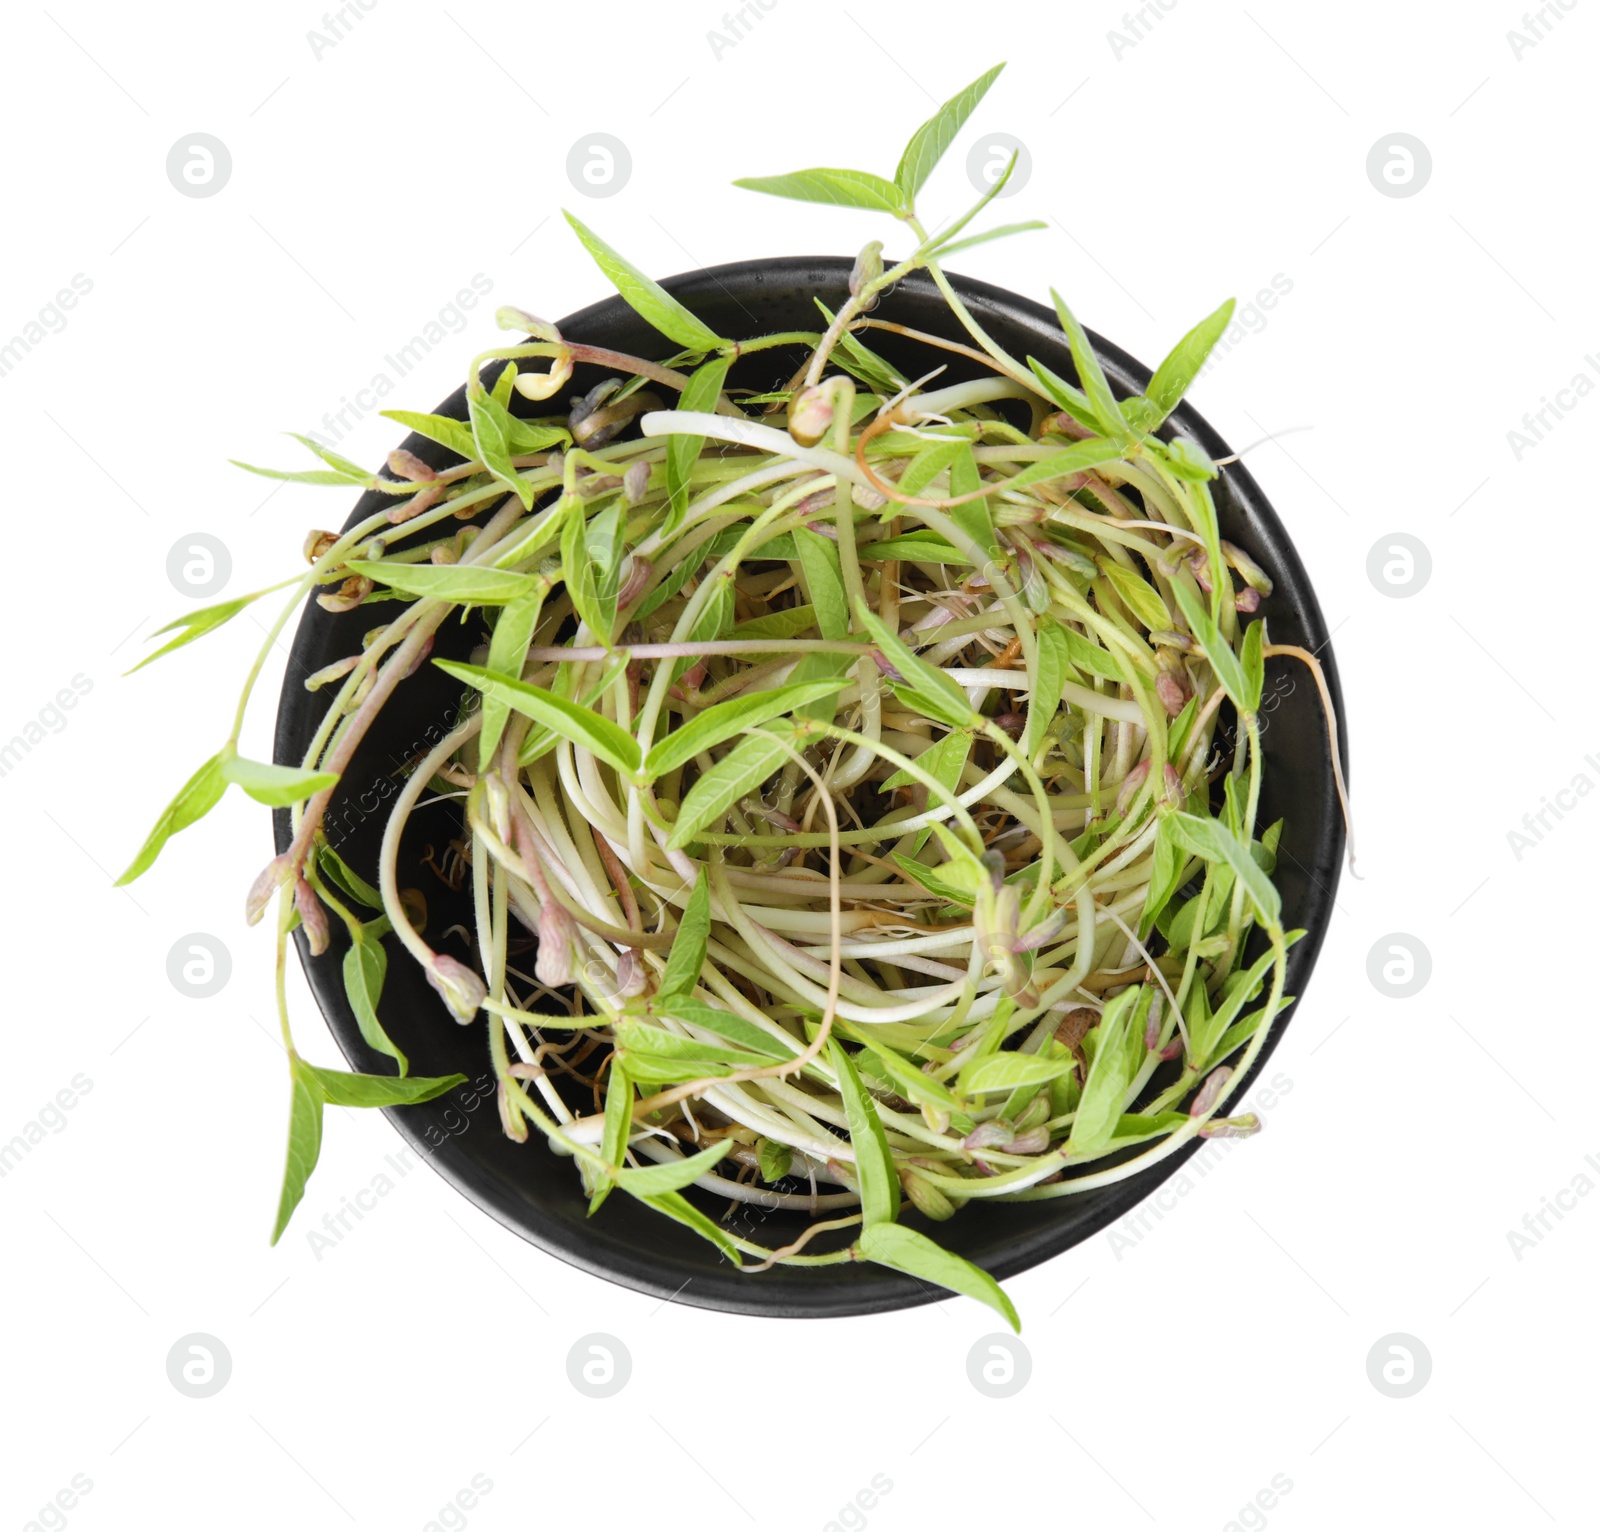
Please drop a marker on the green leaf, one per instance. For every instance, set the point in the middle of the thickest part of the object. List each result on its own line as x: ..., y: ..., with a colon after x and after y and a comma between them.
x: 1239, y: 990
x: 838, y: 188
x: 924, y: 686
x: 862, y: 362
x: 1110, y: 1074
x: 1140, y: 597
x: 345, y: 879
x: 746, y: 1034
x: 340, y: 470
x: 468, y: 584
x: 342, y: 1089
x: 650, y: 301
x: 1096, y: 387
x: 902, y: 1249
x: 677, y: 1207
x: 775, y: 1160
x: 915, y: 547
x: 508, y: 650
x: 491, y: 434
x: 617, y: 1130
x: 701, y: 393
x: 587, y: 730
x: 366, y: 965
x: 740, y: 771
x: 944, y: 252
x: 707, y: 730
x: 1183, y: 363
x: 789, y: 623
x: 454, y: 434
x: 931, y: 140
x: 276, y: 786
x: 1230, y: 672
x: 196, y: 798
x: 305, y: 1139
x: 1212, y: 839
x: 880, y: 1186
x: 904, y: 1076
x: 819, y: 562
x: 1072, y: 401
x: 688, y: 955
x: 653, y: 1180
x: 198, y: 623
x: 504, y: 381
x: 1012, y: 1071
x: 1166, y: 873
x: 1077, y: 458
x: 644, y: 1046
x: 942, y: 760
x: 1049, y: 678
x: 929, y: 462
x: 1253, y: 664
x: 1086, y: 654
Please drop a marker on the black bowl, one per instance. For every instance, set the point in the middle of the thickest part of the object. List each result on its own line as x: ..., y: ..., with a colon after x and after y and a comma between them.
x: 536, y: 1193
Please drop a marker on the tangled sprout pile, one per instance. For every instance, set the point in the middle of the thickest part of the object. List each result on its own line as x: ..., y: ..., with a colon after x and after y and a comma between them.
x: 838, y: 765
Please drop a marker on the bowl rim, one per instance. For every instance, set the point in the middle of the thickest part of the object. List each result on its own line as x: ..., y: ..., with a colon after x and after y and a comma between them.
x: 723, y: 1289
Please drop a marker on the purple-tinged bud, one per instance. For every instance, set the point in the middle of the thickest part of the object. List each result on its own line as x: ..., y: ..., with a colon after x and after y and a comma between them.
x: 510, y: 317
x: 1170, y: 638
x: 1034, y: 1141
x: 421, y: 659
x: 407, y: 465
x: 334, y: 672
x: 415, y: 505
x: 925, y: 1197
x: 811, y: 413
x: 317, y: 543
x: 1037, y: 1114
x: 633, y: 978
x: 1152, y: 1026
x: 460, y: 988
x: 844, y: 1175
x: 1206, y: 1096
x: 1200, y: 567
x: 1249, y: 571
x: 1232, y: 1127
x: 1173, y: 691
x: 867, y: 269
x: 881, y: 660
x: 348, y: 597
x: 1172, y: 1050
x: 635, y: 482
x: 512, y: 1122
x: 1247, y: 600
x: 1046, y: 931
x: 1131, y: 785
x: 1062, y: 424
x: 817, y: 502
x: 553, y: 966
x: 1172, y: 782
x: 990, y: 1135
x: 867, y: 499
x: 267, y: 883
x: 635, y: 576
x: 313, y: 917
x: 442, y: 554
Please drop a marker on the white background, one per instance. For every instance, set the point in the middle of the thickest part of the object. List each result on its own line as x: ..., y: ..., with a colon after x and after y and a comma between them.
x: 1175, y: 1373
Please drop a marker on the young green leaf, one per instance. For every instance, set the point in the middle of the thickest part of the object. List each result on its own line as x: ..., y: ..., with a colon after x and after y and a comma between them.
x: 196, y: 798
x: 746, y: 1034
x: 915, y: 548
x: 1110, y: 1074
x: 1236, y: 853
x: 345, y: 879
x: 776, y: 1159
x: 198, y: 623
x: 688, y: 954
x: 342, y: 1089
x: 902, y: 1249
x: 1077, y: 458
x: 838, y: 188
x: 929, y: 462
x: 922, y: 685
x: 1166, y: 873
x: 366, y: 965
x: 643, y: 1046
x: 1230, y: 672
x: 1140, y: 597
x: 1012, y: 1071
x: 617, y: 1130
x: 652, y: 302
x: 1173, y: 377
x: 305, y: 1139
x: 740, y: 771
x: 340, y: 470
x: 722, y: 721
x: 491, y: 434
x: 862, y: 362
x: 1096, y: 387
x: 1072, y: 401
x: 791, y: 622
x: 819, y: 562
x: 508, y: 649
x: 880, y: 1186
x: 587, y: 730
x: 1049, y: 677
x: 677, y: 1207
x: 652, y: 1180
x: 701, y: 393
x: 1005, y: 231
x: 454, y: 434
x: 931, y: 140
x: 276, y: 786
x: 468, y: 584
x: 1253, y: 664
